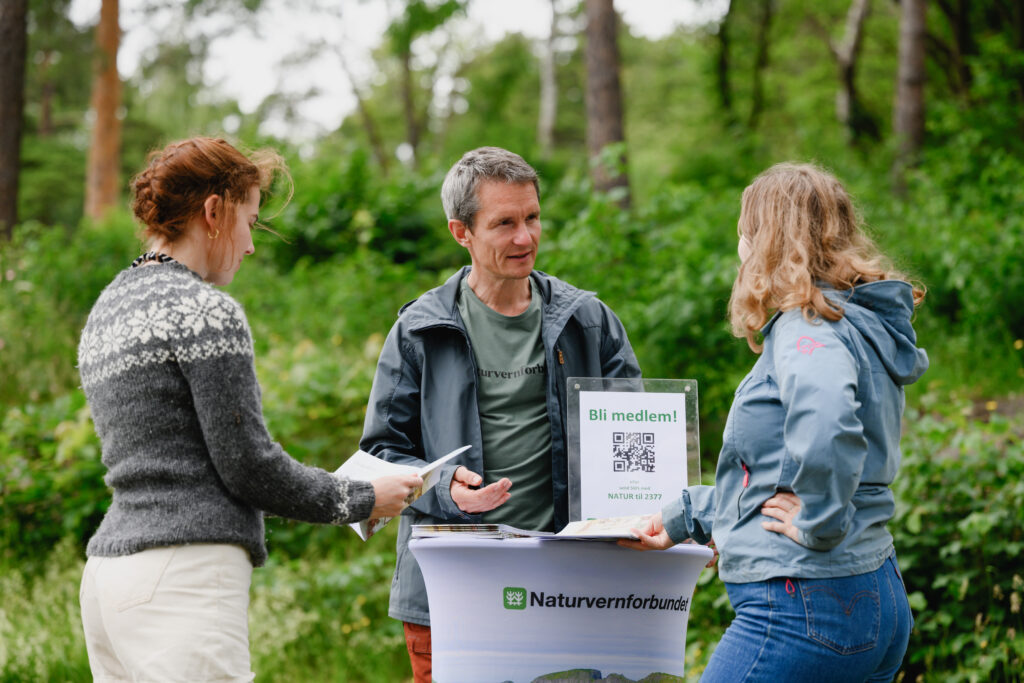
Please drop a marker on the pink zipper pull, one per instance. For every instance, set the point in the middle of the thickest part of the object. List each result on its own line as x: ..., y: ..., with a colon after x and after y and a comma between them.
x: 746, y: 474
x: 790, y: 588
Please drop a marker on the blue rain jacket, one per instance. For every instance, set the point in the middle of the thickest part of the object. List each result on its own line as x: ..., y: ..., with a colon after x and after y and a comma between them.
x: 818, y: 415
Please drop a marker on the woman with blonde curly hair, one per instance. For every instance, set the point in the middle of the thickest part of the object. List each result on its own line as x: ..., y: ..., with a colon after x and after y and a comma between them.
x: 811, y: 444
x: 166, y: 362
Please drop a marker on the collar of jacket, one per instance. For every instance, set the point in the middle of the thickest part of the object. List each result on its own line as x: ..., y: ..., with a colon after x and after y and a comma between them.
x: 439, y: 306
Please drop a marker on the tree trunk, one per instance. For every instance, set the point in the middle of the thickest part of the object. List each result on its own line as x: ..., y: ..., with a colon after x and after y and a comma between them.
x: 849, y: 110
x: 908, y: 111
x: 604, y: 96
x: 1013, y: 17
x: 722, y: 69
x: 103, y: 165
x: 412, y: 126
x: 764, y: 28
x: 548, y: 90
x: 364, y: 113
x: 1011, y: 14
x: 963, y: 47
x: 13, y: 46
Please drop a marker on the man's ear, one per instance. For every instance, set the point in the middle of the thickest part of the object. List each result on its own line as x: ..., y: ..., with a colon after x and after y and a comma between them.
x: 459, y: 231
x: 212, y: 207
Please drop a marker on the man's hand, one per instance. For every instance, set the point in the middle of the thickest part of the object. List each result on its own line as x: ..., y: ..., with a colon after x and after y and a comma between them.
x: 393, y: 493
x: 784, y: 507
x: 475, y: 501
x: 652, y: 536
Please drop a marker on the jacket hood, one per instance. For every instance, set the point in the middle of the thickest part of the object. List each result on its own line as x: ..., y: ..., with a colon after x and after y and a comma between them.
x: 881, y: 312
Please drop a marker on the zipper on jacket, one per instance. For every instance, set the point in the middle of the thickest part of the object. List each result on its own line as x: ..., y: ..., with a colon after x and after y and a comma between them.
x: 561, y: 358
x: 746, y: 483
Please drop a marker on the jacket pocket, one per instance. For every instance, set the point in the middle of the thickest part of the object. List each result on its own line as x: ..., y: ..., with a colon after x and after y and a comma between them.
x: 843, y: 614
x: 417, y: 639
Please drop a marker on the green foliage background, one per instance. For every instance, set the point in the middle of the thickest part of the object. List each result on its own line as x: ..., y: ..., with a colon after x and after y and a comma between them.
x: 359, y: 242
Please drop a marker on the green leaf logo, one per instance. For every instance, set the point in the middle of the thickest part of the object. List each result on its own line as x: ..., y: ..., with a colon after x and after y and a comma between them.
x: 515, y: 598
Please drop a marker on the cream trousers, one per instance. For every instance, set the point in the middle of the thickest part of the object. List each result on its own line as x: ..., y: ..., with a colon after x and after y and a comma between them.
x: 177, y: 613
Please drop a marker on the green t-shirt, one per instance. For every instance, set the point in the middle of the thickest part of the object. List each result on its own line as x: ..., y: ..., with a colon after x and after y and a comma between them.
x: 512, y: 399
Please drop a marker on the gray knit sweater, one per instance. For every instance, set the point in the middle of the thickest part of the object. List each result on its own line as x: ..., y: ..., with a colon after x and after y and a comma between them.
x: 167, y: 367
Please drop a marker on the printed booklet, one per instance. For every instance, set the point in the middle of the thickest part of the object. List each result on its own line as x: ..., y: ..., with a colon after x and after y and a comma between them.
x: 364, y: 466
x: 606, y: 529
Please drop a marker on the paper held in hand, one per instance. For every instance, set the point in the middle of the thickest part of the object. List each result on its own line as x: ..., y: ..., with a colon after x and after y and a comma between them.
x: 364, y: 466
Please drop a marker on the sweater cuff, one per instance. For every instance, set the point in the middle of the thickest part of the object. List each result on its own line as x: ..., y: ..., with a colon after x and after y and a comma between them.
x: 356, y: 499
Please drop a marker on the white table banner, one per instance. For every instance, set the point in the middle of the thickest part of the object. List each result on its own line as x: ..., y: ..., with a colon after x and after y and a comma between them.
x: 521, y: 610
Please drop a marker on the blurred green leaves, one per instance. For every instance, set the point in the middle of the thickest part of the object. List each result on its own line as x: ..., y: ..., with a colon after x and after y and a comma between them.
x: 959, y: 533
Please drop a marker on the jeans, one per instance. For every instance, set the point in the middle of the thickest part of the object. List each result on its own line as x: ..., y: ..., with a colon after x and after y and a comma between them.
x: 851, y: 628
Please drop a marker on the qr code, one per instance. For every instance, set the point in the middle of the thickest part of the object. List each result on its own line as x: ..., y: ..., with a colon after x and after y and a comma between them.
x: 632, y: 451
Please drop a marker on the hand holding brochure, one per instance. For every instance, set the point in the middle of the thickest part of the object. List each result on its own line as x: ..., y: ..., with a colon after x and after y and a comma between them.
x: 607, y: 528
x: 364, y: 466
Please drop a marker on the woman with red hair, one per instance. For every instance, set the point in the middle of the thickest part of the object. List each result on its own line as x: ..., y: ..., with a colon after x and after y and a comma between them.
x: 166, y: 362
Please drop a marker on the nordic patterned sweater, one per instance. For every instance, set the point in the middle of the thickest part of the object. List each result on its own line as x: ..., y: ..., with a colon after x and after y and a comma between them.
x: 167, y: 367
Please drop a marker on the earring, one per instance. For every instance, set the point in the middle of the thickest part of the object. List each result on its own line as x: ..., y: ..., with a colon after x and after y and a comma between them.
x: 213, y: 235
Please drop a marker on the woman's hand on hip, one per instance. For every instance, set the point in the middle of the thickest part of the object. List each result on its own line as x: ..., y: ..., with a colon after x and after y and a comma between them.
x: 784, y: 507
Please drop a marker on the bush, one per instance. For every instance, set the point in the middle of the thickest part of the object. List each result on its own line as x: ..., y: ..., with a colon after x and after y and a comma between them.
x: 666, y: 269
x: 959, y: 535
x: 49, y: 279
x: 51, y: 183
x: 965, y: 242
x: 41, y: 637
x: 323, y: 616
x: 342, y: 204
x: 51, y: 478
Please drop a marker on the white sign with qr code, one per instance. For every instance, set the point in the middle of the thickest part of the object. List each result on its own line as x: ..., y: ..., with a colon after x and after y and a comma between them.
x: 632, y: 452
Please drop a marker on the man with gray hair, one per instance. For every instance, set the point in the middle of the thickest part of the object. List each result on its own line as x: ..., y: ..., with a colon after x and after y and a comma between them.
x: 483, y: 360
